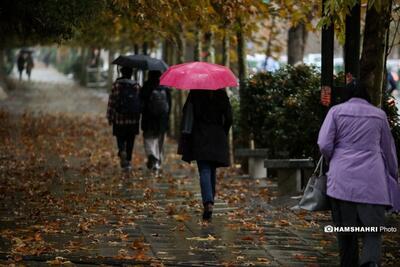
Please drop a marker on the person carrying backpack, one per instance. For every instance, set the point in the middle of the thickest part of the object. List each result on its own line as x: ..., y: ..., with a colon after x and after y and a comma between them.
x: 156, y: 102
x: 21, y: 63
x: 123, y: 113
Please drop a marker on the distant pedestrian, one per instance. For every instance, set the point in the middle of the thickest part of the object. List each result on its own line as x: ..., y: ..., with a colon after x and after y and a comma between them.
x: 21, y: 60
x: 29, y: 65
x: 391, y: 84
x: 123, y: 113
x: 356, y: 141
x: 46, y: 59
x: 207, y: 142
x: 156, y: 102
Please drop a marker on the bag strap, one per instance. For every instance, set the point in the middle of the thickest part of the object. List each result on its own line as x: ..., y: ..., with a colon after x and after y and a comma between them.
x: 321, y: 172
x: 319, y: 166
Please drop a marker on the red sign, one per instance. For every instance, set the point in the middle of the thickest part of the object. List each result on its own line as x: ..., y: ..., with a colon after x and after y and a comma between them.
x: 326, y: 93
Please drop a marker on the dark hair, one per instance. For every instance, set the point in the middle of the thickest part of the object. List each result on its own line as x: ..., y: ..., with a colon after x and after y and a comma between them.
x: 126, y: 72
x: 153, y: 79
x: 356, y: 89
x: 154, y: 74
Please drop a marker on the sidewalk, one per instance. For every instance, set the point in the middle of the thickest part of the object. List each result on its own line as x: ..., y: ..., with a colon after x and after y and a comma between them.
x: 64, y: 200
x: 40, y: 73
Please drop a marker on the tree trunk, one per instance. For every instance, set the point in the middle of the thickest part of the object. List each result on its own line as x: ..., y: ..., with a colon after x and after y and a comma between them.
x: 352, y: 44
x: 226, y: 62
x: 297, y: 39
x: 226, y: 45
x: 145, y: 48
x: 181, y: 44
x: 164, y: 51
x: 4, y: 85
x: 172, y: 118
x: 2, y: 64
x: 210, y: 47
x: 241, y: 58
x: 145, y: 51
x: 372, y: 66
x: 327, y: 52
x: 180, y: 95
x: 242, y: 73
x: 268, y: 50
x: 110, y: 78
x: 241, y: 54
x: 198, y: 46
x: 83, y: 77
x: 176, y: 96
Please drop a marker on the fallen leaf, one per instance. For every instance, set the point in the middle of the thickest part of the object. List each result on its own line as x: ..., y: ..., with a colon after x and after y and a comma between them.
x: 197, y: 238
x: 59, y: 261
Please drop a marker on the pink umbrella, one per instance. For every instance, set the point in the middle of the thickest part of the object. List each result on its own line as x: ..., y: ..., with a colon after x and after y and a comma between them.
x: 198, y: 75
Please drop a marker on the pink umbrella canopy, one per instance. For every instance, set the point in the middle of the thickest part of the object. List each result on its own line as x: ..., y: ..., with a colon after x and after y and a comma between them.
x: 198, y: 75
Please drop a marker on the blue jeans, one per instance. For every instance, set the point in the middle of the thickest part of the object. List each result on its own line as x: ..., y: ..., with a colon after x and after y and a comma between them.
x: 207, y: 171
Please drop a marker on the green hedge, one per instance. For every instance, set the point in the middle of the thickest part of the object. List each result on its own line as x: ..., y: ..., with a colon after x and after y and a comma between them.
x: 282, y: 111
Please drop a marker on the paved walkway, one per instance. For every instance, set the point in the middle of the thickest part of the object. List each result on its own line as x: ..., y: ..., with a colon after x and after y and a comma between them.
x: 40, y: 73
x: 63, y: 199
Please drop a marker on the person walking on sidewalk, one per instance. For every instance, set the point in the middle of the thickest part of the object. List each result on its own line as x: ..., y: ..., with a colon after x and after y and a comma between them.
x: 356, y: 141
x: 123, y: 113
x: 207, y: 142
x: 156, y: 106
x: 21, y: 60
x: 29, y: 65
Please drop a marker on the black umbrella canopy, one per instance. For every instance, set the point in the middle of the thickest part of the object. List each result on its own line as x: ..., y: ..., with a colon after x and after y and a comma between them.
x: 156, y: 64
x: 142, y: 62
x: 132, y: 61
x: 27, y: 50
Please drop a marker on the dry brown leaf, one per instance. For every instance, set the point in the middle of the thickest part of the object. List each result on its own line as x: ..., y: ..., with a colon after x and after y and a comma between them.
x: 197, y: 238
x: 59, y: 261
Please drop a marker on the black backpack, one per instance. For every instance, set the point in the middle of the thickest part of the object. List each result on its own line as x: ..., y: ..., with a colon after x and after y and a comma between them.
x: 158, y: 102
x: 128, y: 100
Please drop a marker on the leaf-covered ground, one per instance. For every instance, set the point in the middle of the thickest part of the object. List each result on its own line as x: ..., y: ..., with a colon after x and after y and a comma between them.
x: 64, y: 200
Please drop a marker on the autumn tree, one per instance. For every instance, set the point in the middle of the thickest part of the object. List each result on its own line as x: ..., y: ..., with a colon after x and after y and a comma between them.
x: 373, y: 57
x: 299, y: 14
x: 375, y: 40
x: 24, y: 22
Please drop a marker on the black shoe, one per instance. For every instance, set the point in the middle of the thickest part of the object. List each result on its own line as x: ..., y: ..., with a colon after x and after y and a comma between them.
x: 151, y: 162
x: 370, y: 264
x: 207, y: 213
x: 122, y: 159
x: 128, y: 166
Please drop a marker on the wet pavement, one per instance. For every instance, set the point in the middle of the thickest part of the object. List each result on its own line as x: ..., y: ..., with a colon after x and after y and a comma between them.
x: 64, y: 200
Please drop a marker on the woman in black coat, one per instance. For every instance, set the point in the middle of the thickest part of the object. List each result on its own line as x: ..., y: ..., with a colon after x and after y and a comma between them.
x: 208, y: 141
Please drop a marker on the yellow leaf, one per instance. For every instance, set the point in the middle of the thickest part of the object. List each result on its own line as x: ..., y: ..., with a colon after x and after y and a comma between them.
x: 197, y: 238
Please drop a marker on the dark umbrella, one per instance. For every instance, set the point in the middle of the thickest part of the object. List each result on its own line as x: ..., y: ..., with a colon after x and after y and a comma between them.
x: 132, y: 61
x: 156, y: 64
x: 142, y: 62
x: 27, y: 50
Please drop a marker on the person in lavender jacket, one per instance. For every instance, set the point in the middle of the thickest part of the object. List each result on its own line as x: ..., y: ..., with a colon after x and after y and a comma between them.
x: 356, y: 141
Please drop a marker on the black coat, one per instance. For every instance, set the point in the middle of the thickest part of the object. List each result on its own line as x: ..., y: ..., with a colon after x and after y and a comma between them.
x: 151, y: 125
x: 212, y: 121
